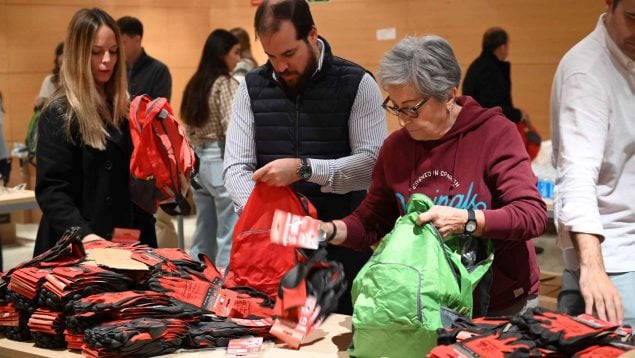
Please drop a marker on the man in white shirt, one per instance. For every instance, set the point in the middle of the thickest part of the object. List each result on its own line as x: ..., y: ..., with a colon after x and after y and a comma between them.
x: 593, y: 134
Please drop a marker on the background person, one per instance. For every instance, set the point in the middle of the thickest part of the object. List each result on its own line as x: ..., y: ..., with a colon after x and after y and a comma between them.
x: 206, y: 109
x: 468, y: 159
x: 5, y: 158
x: 488, y: 79
x: 52, y: 81
x: 593, y: 136
x: 247, y: 61
x: 147, y: 75
x: 84, y: 144
x: 306, y: 118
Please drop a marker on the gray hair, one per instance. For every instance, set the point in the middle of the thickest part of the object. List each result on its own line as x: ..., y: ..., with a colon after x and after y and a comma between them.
x: 427, y: 63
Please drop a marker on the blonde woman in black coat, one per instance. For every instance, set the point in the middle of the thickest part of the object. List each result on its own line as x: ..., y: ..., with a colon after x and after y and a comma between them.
x: 84, y: 143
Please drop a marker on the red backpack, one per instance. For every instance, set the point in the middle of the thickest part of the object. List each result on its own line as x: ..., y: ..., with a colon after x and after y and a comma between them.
x: 163, y: 160
x: 531, y: 137
x: 254, y: 261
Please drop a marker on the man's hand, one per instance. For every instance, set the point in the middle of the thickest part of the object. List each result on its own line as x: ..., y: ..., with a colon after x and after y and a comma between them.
x: 280, y: 172
x: 446, y: 219
x: 597, y: 289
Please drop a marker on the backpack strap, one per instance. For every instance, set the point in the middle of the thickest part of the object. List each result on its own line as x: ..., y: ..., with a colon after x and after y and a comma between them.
x: 159, y: 109
x: 157, y: 137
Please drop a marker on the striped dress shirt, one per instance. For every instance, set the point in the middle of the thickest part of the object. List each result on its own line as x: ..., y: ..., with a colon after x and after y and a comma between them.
x: 367, y: 131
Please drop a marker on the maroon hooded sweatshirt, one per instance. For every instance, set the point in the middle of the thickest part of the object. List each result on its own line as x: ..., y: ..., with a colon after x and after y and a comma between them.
x: 481, y: 163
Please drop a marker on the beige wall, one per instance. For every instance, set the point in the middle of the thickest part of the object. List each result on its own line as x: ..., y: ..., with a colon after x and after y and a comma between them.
x: 541, y: 31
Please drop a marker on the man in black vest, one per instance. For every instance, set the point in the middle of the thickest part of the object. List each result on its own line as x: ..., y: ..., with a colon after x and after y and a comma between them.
x: 308, y: 119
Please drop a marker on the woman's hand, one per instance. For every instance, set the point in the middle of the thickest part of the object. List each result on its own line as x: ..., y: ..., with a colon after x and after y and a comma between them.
x: 448, y: 220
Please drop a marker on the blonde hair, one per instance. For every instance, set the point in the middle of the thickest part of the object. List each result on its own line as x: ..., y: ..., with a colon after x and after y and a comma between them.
x: 87, y: 110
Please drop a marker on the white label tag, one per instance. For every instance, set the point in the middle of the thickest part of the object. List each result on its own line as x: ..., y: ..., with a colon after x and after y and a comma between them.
x: 294, y: 230
x: 244, y: 347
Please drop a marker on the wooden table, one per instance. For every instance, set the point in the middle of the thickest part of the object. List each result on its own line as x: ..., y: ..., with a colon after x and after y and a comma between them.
x: 16, y: 201
x: 331, y: 339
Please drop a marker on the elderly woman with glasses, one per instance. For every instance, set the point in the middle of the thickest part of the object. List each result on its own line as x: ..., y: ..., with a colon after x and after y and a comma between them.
x: 468, y: 159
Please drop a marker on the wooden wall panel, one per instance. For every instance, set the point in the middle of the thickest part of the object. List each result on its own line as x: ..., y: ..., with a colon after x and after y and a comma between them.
x: 541, y: 32
x: 235, y: 13
x: 531, y: 86
x: 175, y: 6
x: 19, y: 98
x: 29, y: 58
x: 4, y: 39
x: 173, y: 36
x: 351, y: 27
x: 75, y: 3
x: 180, y: 77
x: 33, y: 32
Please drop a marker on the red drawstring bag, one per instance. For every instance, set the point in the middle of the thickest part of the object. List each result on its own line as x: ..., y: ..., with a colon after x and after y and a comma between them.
x: 531, y: 137
x: 254, y: 261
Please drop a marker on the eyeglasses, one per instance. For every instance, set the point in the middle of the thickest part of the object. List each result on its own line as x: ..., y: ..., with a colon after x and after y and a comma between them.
x: 412, y: 112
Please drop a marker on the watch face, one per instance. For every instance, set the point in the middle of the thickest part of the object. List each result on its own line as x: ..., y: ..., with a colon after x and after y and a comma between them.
x: 305, y: 172
x: 470, y: 226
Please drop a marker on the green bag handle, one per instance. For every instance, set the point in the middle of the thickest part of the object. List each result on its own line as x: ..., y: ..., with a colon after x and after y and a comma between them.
x: 468, y: 279
x: 31, y: 128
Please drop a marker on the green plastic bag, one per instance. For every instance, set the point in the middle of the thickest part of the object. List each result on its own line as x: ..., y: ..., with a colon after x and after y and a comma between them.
x: 31, y: 134
x: 414, y: 283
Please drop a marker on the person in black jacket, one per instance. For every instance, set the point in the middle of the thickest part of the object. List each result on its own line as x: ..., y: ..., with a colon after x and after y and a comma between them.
x: 147, y: 75
x: 488, y: 78
x: 84, y: 144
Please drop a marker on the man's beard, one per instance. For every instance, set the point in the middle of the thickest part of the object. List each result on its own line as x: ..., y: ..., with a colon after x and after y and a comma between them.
x: 305, y: 77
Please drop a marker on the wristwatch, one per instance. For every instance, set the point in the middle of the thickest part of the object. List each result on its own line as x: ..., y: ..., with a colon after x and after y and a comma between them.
x: 304, y: 170
x: 470, y: 224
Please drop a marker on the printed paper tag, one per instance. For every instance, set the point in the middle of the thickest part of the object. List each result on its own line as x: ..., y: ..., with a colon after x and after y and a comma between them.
x: 593, y: 322
x: 244, y: 347
x: 126, y: 236
x: 292, y: 333
x: 251, y: 322
x: 148, y: 258
x: 288, y: 229
x: 225, y: 302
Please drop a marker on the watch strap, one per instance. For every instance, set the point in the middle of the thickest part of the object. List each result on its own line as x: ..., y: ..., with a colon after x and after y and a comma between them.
x: 471, y: 215
x: 304, y: 170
